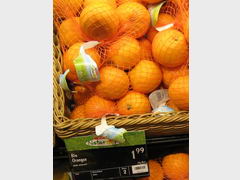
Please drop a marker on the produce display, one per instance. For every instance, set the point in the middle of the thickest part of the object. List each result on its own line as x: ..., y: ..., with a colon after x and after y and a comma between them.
x: 170, y: 167
x: 130, y: 55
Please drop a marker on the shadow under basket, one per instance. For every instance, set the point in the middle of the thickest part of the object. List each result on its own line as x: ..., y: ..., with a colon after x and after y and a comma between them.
x: 155, y: 124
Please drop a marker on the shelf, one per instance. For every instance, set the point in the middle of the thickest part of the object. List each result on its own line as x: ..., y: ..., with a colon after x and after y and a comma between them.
x: 157, y: 147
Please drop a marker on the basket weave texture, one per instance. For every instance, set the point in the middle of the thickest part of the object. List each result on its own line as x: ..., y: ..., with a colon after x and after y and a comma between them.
x: 154, y: 124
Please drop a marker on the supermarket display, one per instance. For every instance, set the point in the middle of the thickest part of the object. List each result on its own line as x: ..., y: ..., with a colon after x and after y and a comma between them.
x: 121, y: 71
x: 132, y: 58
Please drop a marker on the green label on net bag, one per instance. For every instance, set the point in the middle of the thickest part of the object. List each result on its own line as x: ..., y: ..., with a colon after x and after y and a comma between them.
x: 86, y: 67
x: 154, y: 11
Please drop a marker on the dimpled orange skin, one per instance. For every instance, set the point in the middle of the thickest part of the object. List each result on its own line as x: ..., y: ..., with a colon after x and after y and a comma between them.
x: 67, y: 8
x: 145, y: 77
x: 96, y: 107
x: 146, y: 49
x: 163, y: 19
x: 156, y: 171
x: 176, y: 166
x: 179, y: 92
x: 78, y: 112
x: 125, y: 52
x: 99, y: 21
x: 134, y: 19
x: 133, y: 103
x: 169, y: 48
x: 114, y: 83
x: 110, y: 2
x: 69, y: 32
x: 170, y: 74
x: 73, y: 53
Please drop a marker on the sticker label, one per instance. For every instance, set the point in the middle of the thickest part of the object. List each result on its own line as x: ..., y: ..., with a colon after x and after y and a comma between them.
x: 137, y: 169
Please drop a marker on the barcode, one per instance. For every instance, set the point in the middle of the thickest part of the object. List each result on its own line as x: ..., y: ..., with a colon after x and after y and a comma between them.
x: 142, y: 168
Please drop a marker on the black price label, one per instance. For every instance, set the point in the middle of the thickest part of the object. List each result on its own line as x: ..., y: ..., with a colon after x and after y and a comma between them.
x: 104, y: 159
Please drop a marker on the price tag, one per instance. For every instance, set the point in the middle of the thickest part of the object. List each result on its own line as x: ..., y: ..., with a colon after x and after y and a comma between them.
x: 98, y: 158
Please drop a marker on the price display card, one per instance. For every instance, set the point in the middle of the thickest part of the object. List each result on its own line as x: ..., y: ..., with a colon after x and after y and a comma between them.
x: 99, y: 158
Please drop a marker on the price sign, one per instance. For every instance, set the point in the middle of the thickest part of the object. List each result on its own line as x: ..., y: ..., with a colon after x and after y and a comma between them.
x: 98, y: 158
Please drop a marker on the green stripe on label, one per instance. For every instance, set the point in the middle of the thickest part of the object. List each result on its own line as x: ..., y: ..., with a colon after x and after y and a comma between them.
x: 132, y: 138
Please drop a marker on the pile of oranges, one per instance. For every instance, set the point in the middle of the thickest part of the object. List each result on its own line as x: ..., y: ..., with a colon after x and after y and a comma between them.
x: 134, y: 59
x: 171, y: 167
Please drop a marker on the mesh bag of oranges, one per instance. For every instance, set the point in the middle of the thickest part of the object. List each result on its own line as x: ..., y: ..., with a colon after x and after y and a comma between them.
x: 115, y: 53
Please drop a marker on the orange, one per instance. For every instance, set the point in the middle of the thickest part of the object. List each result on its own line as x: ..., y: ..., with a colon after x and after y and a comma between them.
x: 110, y: 2
x: 69, y: 32
x: 81, y: 95
x: 133, y: 103
x: 146, y: 49
x: 99, y: 21
x: 73, y: 53
x: 125, y: 52
x: 78, y: 112
x: 179, y: 92
x: 170, y: 74
x: 67, y: 8
x: 163, y: 19
x: 186, y: 29
x: 113, y: 84
x: 156, y: 171
x: 169, y: 48
x: 119, y: 2
x: 145, y: 77
x: 176, y: 166
x: 172, y: 105
x: 134, y: 19
x: 151, y: 33
x: 96, y: 107
x: 152, y: 1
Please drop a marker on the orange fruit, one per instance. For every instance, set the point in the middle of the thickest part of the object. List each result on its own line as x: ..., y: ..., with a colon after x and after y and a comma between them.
x: 176, y: 166
x: 99, y: 21
x: 186, y: 29
x: 81, y: 95
x: 110, y: 2
x: 163, y: 19
x: 125, y: 52
x: 145, y: 49
x: 73, y: 53
x: 152, y: 1
x: 145, y: 77
x: 69, y: 31
x: 151, y: 33
x: 170, y: 74
x: 113, y: 84
x: 133, y: 103
x: 96, y: 107
x: 156, y: 171
x: 66, y: 8
x: 78, y: 112
x: 134, y: 18
x: 119, y: 2
x: 169, y: 48
x: 179, y: 92
x: 172, y: 105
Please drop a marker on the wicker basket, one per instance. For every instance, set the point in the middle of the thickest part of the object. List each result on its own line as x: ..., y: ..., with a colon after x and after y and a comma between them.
x: 153, y: 124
